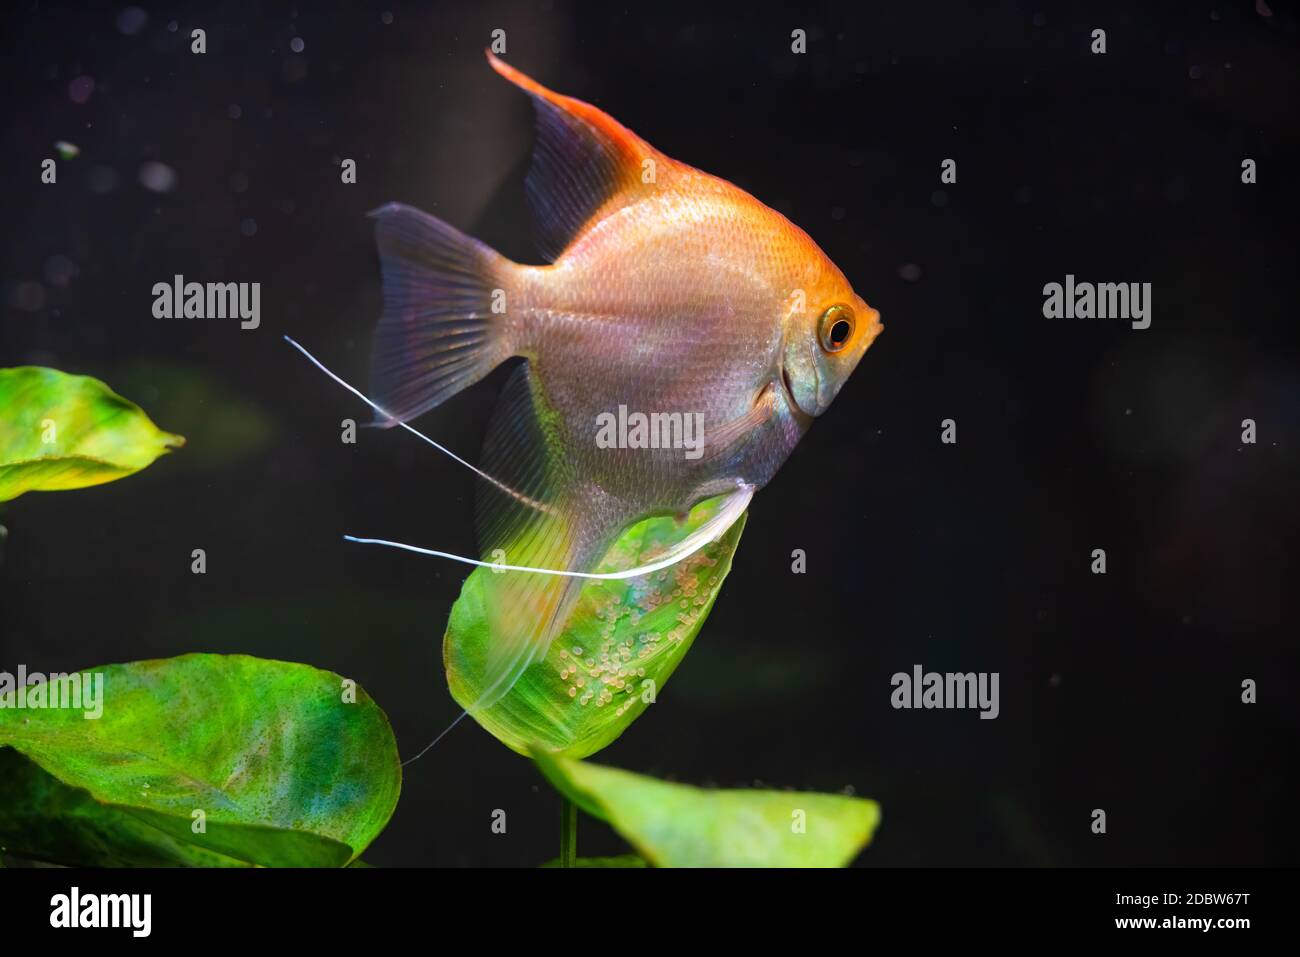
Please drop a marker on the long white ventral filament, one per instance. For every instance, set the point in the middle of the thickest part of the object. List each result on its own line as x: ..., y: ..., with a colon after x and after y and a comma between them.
x: 707, y: 533
x: 519, y: 496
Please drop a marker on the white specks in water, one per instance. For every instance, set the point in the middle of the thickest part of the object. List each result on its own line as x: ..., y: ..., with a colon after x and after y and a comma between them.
x: 157, y: 177
x: 297, y: 45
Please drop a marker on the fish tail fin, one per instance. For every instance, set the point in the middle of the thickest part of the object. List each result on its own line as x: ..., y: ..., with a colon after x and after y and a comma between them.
x: 445, y: 323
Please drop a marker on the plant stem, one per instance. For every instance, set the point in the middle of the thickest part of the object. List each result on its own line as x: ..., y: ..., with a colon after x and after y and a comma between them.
x: 568, y: 833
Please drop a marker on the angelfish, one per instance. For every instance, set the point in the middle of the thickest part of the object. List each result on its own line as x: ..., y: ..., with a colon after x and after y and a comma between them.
x: 669, y: 291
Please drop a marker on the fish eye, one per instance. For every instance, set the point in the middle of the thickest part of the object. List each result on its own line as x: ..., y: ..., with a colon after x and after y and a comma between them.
x: 835, y: 328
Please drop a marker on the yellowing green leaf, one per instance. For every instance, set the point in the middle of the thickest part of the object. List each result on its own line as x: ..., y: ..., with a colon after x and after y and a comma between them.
x: 61, y: 431
x: 623, y: 640
x: 675, y: 825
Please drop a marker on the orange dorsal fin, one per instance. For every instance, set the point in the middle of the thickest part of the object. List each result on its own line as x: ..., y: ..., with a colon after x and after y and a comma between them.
x: 584, y: 163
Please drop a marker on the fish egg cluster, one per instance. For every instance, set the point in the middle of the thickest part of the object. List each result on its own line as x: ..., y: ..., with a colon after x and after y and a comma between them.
x: 612, y: 671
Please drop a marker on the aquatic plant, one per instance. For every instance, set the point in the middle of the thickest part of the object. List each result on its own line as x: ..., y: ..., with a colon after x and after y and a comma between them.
x: 62, y: 431
x: 210, y: 760
x: 200, y: 760
x: 674, y: 825
x: 230, y: 761
x: 620, y: 644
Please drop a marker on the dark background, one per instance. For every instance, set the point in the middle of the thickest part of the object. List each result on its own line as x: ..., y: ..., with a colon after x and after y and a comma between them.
x: 1119, y: 691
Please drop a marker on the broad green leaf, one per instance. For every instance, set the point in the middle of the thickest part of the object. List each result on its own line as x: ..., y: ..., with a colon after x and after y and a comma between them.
x: 675, y: 825
x: 622, y: 860
x: 621, y: 643
x: 283, y: 769
x: 43, y: 819
x: 60, y: 431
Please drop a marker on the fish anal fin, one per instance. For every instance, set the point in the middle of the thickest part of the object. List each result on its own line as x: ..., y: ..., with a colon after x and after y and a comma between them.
x: 525, y: 610
x: 523, y: 452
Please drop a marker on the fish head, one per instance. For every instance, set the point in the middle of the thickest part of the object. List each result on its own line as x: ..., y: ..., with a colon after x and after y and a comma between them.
x: 828, y: 329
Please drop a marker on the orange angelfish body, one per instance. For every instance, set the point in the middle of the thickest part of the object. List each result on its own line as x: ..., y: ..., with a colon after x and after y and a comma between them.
x: 676, y: 348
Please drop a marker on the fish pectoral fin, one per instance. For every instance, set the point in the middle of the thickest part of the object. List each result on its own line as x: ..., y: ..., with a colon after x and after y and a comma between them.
x: 584, y: 160
x: 729, y: 442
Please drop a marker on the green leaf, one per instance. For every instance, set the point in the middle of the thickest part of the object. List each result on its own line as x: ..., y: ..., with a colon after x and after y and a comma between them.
x: 675, y: 825
x: 60, y: 431
x: 622, y: 860
x: 285, y: 771
x: 43, y: 819
x: 621, y: 643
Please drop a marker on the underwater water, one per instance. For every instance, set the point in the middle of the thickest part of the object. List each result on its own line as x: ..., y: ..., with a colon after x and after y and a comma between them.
x: 1120, y: 690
